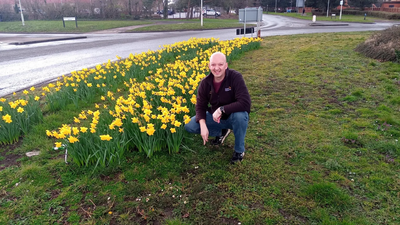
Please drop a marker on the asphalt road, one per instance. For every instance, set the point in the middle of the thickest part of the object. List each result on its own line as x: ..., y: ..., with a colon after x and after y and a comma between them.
x: 23, y: 66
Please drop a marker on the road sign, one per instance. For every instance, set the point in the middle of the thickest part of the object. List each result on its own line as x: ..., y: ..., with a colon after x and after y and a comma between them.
x: 250, y: 15
x: 70, y: 19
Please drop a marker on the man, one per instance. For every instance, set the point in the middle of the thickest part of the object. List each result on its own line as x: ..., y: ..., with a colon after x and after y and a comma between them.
x: 225, y: 90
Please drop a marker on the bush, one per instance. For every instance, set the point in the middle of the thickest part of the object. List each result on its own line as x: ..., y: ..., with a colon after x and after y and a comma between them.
x: 380, y: 14
x: 7, y: 14
x: 382, y: 46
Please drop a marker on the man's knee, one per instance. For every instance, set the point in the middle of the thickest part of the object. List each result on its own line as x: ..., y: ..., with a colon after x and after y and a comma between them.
x: 192, y: 127
x: 240, y: 117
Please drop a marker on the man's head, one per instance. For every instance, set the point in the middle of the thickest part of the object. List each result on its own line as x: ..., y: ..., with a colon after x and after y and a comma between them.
x: 218, y: 65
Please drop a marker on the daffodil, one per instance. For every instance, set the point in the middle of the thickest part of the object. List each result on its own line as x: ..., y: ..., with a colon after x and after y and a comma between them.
x: 20, y: 110
x: 72, y: 139
x: 7, y: 118
x: 105, y: 137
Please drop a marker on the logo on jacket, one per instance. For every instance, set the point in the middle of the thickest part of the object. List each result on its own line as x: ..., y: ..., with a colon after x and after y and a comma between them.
x: 228, y: 88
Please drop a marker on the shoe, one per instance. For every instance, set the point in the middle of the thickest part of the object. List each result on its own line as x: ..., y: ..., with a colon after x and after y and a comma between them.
x: 220, y: 139
x: 237, y: 157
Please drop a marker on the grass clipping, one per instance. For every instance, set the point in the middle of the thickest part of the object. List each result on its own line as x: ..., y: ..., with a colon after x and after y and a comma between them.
x: 383, y: 46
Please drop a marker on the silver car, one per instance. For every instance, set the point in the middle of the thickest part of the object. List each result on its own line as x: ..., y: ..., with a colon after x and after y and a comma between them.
x: 211, y: 12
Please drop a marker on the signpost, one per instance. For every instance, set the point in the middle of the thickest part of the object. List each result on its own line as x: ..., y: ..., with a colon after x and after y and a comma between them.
x: 70, y: 19
x: 247, y: 15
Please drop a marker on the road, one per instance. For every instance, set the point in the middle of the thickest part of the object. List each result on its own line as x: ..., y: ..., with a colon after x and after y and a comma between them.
x: 23, y: 66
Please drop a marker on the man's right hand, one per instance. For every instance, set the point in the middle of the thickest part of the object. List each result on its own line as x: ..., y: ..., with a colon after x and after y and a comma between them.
x: 204, y: 131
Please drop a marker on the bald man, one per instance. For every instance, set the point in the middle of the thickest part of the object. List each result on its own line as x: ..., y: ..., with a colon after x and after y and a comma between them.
x: 225, y: 90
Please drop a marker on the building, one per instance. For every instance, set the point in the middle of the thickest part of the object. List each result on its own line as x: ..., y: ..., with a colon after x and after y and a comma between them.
x: 390, y: 4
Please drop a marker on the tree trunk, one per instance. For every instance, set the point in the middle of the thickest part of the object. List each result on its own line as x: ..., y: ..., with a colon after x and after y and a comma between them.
x: 130, y: 7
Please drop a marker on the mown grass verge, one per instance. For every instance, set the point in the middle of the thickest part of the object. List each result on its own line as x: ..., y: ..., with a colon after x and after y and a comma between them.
x: 322, y: 147
x: 52, y: 26
x: 208, y: 24
x: 345, y: 18
x: 84, y: 26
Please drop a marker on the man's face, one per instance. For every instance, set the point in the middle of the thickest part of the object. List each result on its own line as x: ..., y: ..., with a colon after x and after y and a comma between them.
x: 218, y: 65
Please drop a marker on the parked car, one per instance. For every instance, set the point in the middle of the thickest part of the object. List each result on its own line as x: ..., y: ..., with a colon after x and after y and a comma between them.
x: 211, y: 12
x: 170, y: 12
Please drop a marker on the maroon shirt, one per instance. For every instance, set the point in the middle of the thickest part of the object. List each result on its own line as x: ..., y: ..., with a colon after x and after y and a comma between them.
x: 216, y: 86
x: 232, y: 94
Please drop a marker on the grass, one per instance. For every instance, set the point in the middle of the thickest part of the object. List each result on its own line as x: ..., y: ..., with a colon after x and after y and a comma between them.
x: 84, y: 26
x: 322, y: 148
x: 194, y: 25
x: 345, y: 18
x: 51, y: 26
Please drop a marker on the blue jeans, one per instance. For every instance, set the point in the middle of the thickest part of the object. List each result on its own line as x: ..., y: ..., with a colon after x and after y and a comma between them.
x: 237, y: 122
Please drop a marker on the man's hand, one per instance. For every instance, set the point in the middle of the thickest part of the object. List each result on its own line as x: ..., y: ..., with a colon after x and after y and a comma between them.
x: 204, y: 131
x: 217, y: 115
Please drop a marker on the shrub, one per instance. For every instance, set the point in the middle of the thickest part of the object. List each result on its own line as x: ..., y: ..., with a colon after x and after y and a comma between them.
x: 380, y: 14
x: 382, y: 46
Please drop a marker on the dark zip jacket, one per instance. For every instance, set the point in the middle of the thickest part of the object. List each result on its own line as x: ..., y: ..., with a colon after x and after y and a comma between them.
x: 232, y: 94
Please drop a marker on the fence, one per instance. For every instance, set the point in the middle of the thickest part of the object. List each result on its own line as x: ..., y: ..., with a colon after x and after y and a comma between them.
x: 392, y: 10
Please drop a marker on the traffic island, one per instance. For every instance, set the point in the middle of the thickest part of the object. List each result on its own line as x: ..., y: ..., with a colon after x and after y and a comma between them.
x: 41, y: 40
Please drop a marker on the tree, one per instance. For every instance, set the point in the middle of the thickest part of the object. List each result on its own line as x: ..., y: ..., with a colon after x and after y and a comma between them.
x: 322, y: 4
x: 362, y: 3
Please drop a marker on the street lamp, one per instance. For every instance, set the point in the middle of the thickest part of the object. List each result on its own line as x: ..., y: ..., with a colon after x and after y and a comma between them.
x: 276, y: 4
x: 22, y: 15
x: 341, y: 7
x: 201, y: 13
x: 327, y: 9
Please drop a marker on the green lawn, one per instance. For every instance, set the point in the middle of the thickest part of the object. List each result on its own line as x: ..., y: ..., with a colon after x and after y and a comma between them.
x: 322, y: 148
x: 345, y: 18
x: 46, y: 26
x: 194, y: 25
x: 42, y: 26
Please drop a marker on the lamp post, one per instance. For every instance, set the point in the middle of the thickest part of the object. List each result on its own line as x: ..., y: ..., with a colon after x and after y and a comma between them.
x: 201, y: 13
x: 327, y: 9
x: 22, y: 15
x: 341, y: 7
x: 276, y: 5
